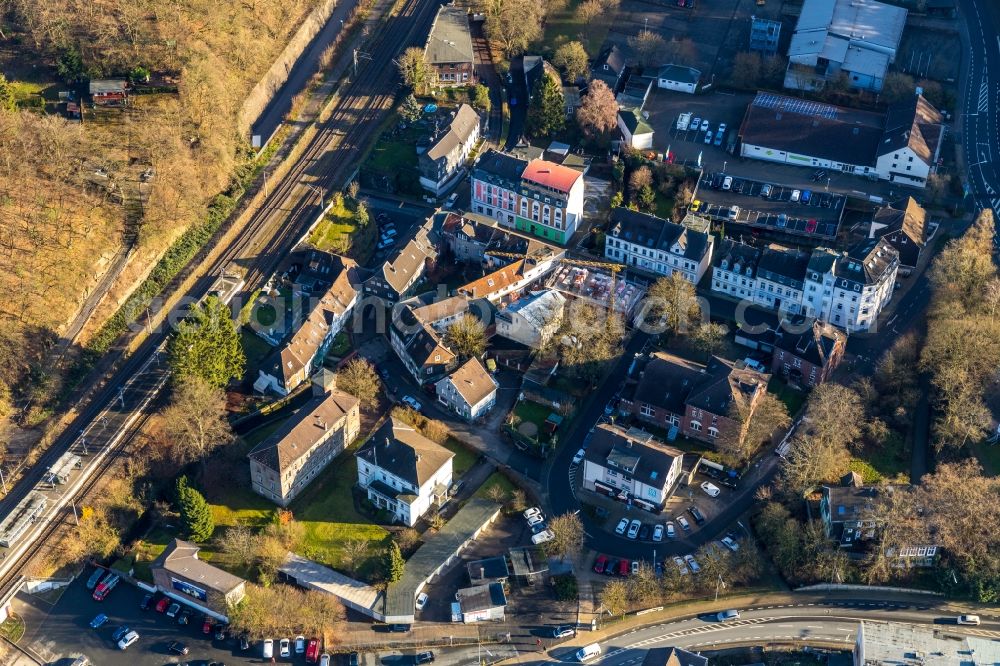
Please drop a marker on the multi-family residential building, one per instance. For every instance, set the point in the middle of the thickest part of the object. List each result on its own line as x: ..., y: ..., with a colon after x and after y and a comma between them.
x: 470, y: 391
x: 701, y: 402
x: 419, y: 346
x: 902, y: 145
x: 855, y: 40
x: 847, y: 289
x: 440, y: 164
x: 808, y: 357
x: 538, y: 197
x: 533, y: 319
x: 289, y: 459
x: 398, y: 275
x: 507, y: 283
x: 327, y: 310
x: 448, y: 52
x: 632, y: 462
x: 403, y: 472
x: 905, y: 230
x: 656, y: 245
x: 470, y: 236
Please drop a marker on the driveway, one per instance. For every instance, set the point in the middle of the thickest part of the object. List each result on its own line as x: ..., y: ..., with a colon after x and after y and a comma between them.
x: 487, y: 75
x: 517, y: 91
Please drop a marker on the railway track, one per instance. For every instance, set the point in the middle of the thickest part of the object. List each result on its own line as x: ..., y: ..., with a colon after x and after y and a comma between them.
x: 120, y: 407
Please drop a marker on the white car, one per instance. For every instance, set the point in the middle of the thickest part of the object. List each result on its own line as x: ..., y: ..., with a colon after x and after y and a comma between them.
x: 421, y: 601
x: 692, y: 564
x: 704, y: 125
x: 622, y: 526
x: 685, y: 525
x: 285, y: 648
x: 535, y: 519
x: 268, y: 650
x: 695, y: 124
x: 727, y: 615
x: 633, y: 529
x: 671, y: 530
x: 680, y: 565
x: 658, y: 533
x: 727, y: 183
x: 533, y: 511
x: 578, y: 458
x: 711, y: 489
x: 795, y: 195
x: 542, y: 537
x: 324, y: 660
x: 127, y: 640
x: 410, y: 401
x: 730, y: 543
x: 300, y: 644
x: 968, y: 619
x: 635, y: 567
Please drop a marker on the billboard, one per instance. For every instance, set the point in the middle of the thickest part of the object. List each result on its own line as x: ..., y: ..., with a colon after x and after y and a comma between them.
x: 188, y: 589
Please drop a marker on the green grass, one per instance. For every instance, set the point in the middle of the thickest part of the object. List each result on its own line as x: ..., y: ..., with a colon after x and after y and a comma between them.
x: 495, y: 479
x: 12, y: 628
x: 397, y: 153
x: 526, y: 410
x: 989, y: 457
x: 664, y: 206
x: 340, y: 234
x: 340, y: 345
x: 148, y: 549
x: 793, y: 398
x: 564, y: 26
x: 464, y: 458
x: 254, y: 347
x: 888, y: 460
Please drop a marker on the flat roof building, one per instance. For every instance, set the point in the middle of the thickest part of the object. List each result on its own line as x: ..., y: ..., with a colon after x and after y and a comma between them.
x: 893, y: 644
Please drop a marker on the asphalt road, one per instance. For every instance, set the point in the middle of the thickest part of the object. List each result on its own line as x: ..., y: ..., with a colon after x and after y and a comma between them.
x: 981, y: 110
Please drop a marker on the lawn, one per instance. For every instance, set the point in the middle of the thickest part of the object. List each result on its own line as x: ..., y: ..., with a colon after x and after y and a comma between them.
x: 989, y: 457
x: 464, y: 458
x: 254, y: 347
x: 495, y: 479
x: 889, y: 460
x: 564, y: 26
x: 395, y: 150
x: 341, y: 344
x: 526, y: 410
x: 339, y: 233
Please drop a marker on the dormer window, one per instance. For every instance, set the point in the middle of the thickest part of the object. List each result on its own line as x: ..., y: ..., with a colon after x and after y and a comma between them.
x: 725, y: 264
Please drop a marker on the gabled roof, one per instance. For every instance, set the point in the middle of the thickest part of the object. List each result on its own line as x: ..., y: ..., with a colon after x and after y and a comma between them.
x: 403, y: 452
x: 635, y: 122
x: 495, y: 282
x: 106, y: 86
x: 472, y: 382
x: 672, y: 656
x: 551, y: 175
x: 460, y: 130
x: 679, y: 73
x: 915, y: 124
x: 443, y: 309
x: 783, y: 265
x: 613, y: 57
x: 867, y: 262
x: 657, y: 233
x: 181, y: 558
x: 724, y: 385
x: 736, y: 253
x: 449, y: 40
x: 633, y: 453
x: 667, y: 381
x: 298, y: 434
x: 495, y: 166
x: 912, y: 221
x: 408, y: 264
x: 815, y: 345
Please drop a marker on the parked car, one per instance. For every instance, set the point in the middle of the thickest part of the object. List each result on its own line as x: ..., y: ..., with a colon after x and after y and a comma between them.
x: 578, y: 458
x: 624, y: 566
x: 128, y: 640
x: 398, y: 628
x: 969, y: 619
x: 708, y: 138
x: 105, y: 586
x: 533, y: 511
x: 696, y: 123
x: 220, y: 632
x: 680, y: 565
x: 622, y: 526
x: 185, y: 617
x: 704, y: 125
x: 588, y: 652
x: 671, y: 530
x: 658, y: 533
x: 727, y: 615
x: 635, y: 567
x: 423, y: 657
x: 300, y: 644
x: 796, y: 194
x: 285, y: 648
x: 643, y: 532
x: 267, y: 649
x: 312, y: 651
x: 685, y: 525
x: 173, y: 610
x: 176, y: 647
x: 727, y: 183
x: 765, y: 192
x: 699, y: 517
x: 806, y: 196
x: 421, y: 601
x: 562, y: 631
x: 147, y: 602
x: 95, y: 578
x: 729, y: 543
x: 633, y: 529
x: 206, y: 626
x: 325, y: 660
x: 120, y: 632
x: 692, y: 563
x: 542, y: 537
x: 710, y: 489
x: 535, y: 519
x: 99, y: 621
x: 599, y: 564
x: 610, y: 567
x: 410, y: 401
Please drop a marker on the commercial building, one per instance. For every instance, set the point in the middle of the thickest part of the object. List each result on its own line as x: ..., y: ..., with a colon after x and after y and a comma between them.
x: 470, y: 236
x: 632, y: 465
x: 764, y: 36
x: 440, y: 164
x: 656, y: 245
x: 470, y: 391
x: 448, y: 52
x: 289, y: 459
x: 895, y: 643
x: 678, y: 78
x: 672, y: 656
x: 853, y: 40
x: 403, y: 472
x: 902, y: 145
x: 480, y: 603
x: 533, y: 319
x: 181, y: 575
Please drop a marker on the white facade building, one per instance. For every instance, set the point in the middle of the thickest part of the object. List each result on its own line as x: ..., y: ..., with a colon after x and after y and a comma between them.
x: 631, y: 462
x: 678, y: 78
x: 470, y: 391
x: 657, y: 245
x: 533, y: 319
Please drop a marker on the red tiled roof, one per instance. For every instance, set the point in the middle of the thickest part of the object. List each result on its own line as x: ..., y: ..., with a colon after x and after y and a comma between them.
x: 549, y: 174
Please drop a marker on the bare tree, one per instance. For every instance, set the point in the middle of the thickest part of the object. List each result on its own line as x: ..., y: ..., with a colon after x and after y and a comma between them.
x: 195, y: 421
x: 567, y: 530
x: 598, y: 112
x: 615, y: 597
x: 414, y: 69
x: 358, y: 378
x: 672, y: 303
x: 650, y: 48
x: 572, y: 59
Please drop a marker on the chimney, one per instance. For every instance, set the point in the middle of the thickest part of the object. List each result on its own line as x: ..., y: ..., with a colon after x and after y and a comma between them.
x: 323, y: 382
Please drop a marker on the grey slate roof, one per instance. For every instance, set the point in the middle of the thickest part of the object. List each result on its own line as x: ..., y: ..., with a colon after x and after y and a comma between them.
x: 657, y: 233
x: 782, y: 265
x: 500, y: 168
x: 667, y: 381
x: 460, y: 130
x: 403, y: 452
x: 867, y: 262
x: 181, y: 558
x: 679, y: 73
x: 914, y: 124
x: 637, y: 454
x: 481, y: 597
x: 449, y: 40
x: 672, y: 656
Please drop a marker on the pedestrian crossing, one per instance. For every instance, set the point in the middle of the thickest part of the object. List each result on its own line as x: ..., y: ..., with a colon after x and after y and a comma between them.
x: 693, y: 631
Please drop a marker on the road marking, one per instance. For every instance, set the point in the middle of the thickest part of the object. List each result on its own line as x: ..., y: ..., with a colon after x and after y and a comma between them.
x: 984, y: 96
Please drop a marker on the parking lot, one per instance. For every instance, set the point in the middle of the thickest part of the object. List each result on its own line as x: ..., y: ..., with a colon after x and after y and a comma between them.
x: 62, y: 631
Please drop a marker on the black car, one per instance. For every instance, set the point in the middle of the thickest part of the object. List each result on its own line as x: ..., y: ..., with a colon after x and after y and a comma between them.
x: 698, y: 516
x: 423, y: 657
x: 220, y: 632
x: 176, y: 647
x: 147, y: 602
x: 397, y: 628
x: 120, y: 632
x: 184, y: 617
x: 728, y: 483
x: 644, y: 532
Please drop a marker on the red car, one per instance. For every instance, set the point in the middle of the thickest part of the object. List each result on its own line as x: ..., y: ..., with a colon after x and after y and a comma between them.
x: 600, y: 563
x: 207, y: 627
x: 312, y: 651
x: 623, y: 567
x: 161, y: 605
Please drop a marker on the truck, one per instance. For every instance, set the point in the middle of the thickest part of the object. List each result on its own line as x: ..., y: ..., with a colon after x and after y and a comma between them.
x: 683, y: 121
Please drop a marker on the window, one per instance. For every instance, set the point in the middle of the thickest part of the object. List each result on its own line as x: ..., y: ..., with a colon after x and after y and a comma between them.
x: 696, y: 426
x: 713, y: 432
x: 646, y: 410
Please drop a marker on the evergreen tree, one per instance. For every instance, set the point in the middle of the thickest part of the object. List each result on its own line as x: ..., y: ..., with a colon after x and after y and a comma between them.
x: 394, y: 562
x: 195, y: 512
x: 411, y: 109
x: 207, y: 345
x: 547, y: 111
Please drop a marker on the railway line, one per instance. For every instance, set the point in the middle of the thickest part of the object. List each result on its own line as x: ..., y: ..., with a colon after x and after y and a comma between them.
x: 121, y: 404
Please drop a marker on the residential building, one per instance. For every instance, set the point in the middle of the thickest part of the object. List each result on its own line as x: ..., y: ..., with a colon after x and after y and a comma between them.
x: 572, y: 99
x: 635, y: 131
x: 632, y: 465
x: 470, y: 391
x: 534, y: 66
x: 438, y: 314
x: 764, y: 36
x: 714, y: 407
x: 419, y: 346
x: 678, y: 78
x: 109, y: 92
x: 808, y: 357
x: 672, y: 656
x: 656, y: 245
x: 659, y: 396
x: 481, y: 603
x: 440, y: 164
x: 895, y: 643
x: 470, y: 236
x: 403, y: 472
x: 496, y: 183
x: 293, y: 364
x: 853, y: 40
x: 905, y: 230
x: 533, y: 319
x: 448, y: 52
x: 902, y: 145
x: 507, y: 283
x: 398, y: 275
x: 846, y: 513
x: 287, y: 461
x: 179, y: 574
x: 635, y: 92
x: 847, y: 289
x: 609, y: 66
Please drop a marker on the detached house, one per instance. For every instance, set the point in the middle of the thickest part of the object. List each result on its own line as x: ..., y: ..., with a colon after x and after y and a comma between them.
x: 403, y: 472
x: 449, y: 48
x: 286, y: 462
x: 419, y: 346
x: 109, y: 92
x: 470, y: 391
x: 440, y: 165
x: 656, y: 245
x: 609, y: 66
x: 631, y: 465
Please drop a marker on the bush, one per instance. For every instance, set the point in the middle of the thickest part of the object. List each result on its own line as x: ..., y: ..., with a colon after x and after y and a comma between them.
x: 565, y: 587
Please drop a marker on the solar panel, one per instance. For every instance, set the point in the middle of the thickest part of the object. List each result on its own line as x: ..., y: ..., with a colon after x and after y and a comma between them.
x: 792, y: 105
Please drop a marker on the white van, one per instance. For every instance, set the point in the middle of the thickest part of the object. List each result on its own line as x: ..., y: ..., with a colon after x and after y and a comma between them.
x: 268, y: 650
x: 588, y: 652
